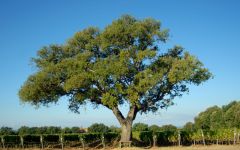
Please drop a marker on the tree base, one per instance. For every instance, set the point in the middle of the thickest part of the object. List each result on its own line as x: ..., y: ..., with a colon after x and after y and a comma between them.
x: 125, y: 143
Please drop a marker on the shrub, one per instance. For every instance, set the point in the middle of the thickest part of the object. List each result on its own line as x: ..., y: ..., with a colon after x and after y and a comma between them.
x: 12, y: 139
x: 90, y: 137
x: 140, y: 127
x: 110, y: 136
x: 51, y: 138
x: 31, y: 138
x: 154, y: 128
x: 71, y: 137
x: 166, y: 137
x: 145, y: 137
x: 115, y: 129
x: 98, y: 127
x: 186, y: 137
x: 7, y: 131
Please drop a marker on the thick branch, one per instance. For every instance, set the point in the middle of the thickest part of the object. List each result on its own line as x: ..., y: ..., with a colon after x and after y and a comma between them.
x: 132, y: 113
x: 151, y: 101
x: 118, y: 114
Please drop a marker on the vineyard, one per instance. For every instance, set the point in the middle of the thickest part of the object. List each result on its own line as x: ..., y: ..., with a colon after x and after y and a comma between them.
x: 110, y: 139
x: 58, y: 140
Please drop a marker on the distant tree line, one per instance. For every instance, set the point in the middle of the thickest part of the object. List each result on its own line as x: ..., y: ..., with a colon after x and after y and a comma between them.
x: 25, y: 130
x: 215, y: 117
x: 212, y: 119
x: 94, y: 128
x: 38, y: 130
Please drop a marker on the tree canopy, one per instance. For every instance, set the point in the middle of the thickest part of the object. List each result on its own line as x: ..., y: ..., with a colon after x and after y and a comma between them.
x: 98, y: 127
x: 227, y: 116
x: 120, y: 64
x: 168, y: 127
x: 154, y: 128
x: 6, y: 131
x: 140, y: 127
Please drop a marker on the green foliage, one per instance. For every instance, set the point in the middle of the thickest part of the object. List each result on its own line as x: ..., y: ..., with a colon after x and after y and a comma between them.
x: 117, y: 65
x: 51, y: 138
x: 216, y: 118
x: 197, y: 136
x: 6, y: 131
x: 154, y: 128
x: 146, y: 137
x: 41, y: 130
x: 53, y: 130
x: 115, y: 129
x: 109, y: 100
x: 121, y: 63
x: 24, y: 130
x: 110, y: 136
x: 31, y: 138
x: 140, y: 127
x: 225, y: 134
x: 186, y: 137
x: 90, y: 137
x: 188, y: 127
x: 143, y: 136
x: 173, y: 137
x: 71, y: 130
x: 12, y: 139
x: 204, y: 119
x: 75, y: 130
x: 232, y: 115
x: 165, y: 137
x: 98, y: 127
x: 66, y: 130
x: 70, y: 137
x: 169, y: 127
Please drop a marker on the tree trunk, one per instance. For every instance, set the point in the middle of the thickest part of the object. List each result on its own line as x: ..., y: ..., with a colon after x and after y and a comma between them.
x: 126, y: 134
x: 126, y: 123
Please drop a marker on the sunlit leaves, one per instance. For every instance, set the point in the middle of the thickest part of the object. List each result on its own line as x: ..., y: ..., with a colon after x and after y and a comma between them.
x: 121, y: 63
x: 216, y: 117
x: 109, y: 100
x: 41, y: 87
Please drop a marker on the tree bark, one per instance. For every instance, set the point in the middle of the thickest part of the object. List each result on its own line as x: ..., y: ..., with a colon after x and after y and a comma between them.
x: 126, y: 133
x: 126, y: 123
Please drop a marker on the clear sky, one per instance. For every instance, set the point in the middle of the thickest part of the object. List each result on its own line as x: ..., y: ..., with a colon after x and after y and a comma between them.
x: 209, y: 29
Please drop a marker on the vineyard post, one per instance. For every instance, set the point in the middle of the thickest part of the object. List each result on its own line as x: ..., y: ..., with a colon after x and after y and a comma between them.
x: 154, y: 140
x: 3, y: 142
x: 103, y: 140
x: 238, y: 135
x: 234, y: 140
x: 41, y: 140
x: 82, y: 141
x: 61, y: 140
x: 179, y: 138
x: 203, y: 139
x: 22, y: 142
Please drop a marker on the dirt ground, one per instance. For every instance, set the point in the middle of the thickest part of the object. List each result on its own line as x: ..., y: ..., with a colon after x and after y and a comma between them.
x: 226, y: 147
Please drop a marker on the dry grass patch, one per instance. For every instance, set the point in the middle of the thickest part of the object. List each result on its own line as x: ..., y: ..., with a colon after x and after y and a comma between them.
x: 226, y: 147
x: 214, y: 147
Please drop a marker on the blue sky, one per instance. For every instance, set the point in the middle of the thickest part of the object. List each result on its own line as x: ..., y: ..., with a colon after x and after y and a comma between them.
x: 208, y: 29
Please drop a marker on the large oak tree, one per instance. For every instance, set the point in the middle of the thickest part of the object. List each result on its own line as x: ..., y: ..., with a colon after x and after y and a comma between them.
x: 119, y: 64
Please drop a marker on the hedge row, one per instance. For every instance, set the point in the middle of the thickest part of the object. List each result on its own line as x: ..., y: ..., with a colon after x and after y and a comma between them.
x: 223, y: 136
x: 164, y: 138
x: 86, y: 137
